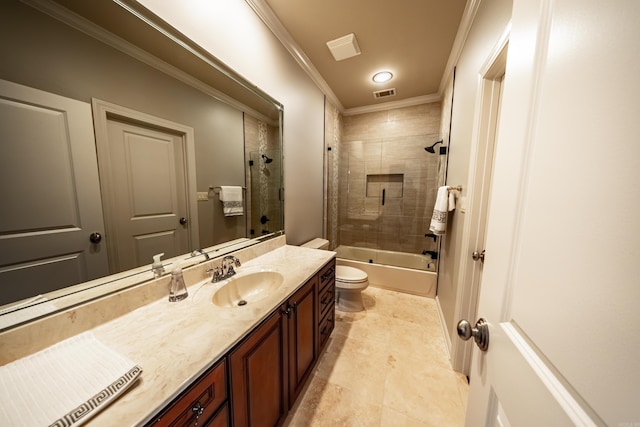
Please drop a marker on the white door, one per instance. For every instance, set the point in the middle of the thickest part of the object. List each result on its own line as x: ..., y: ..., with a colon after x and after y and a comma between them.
x: 49, y: 194
x: 144, y: 176
x: 560, y: 286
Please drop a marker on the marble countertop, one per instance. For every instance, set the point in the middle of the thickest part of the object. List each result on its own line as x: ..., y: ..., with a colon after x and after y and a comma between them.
x: 175, y: 343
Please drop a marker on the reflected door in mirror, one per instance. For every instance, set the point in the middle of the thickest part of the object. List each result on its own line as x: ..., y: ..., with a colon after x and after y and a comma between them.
x: 50, y: 194
x: 147, y: 181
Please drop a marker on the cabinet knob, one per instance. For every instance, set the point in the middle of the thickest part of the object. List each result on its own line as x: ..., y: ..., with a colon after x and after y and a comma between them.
x: 197, y: 409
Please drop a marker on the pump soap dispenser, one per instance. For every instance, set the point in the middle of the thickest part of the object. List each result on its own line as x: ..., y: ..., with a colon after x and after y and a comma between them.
x: 157, y: 266
x: 178, y: 290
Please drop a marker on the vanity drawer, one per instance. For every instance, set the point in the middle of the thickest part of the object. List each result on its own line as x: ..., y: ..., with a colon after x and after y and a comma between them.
x: 328, y: 273
x: 326, y: 327
x: 326, y: 299
x: 202, y: 400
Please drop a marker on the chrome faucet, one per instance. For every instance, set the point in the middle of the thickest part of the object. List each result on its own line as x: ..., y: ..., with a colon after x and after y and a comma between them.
x: 201, y: 252
x: 226, y: 268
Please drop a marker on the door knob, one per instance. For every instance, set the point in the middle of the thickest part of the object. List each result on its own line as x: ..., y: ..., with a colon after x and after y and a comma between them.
x: 95, y: 237
x: 478, y: 256
x: 480, y: 332
x: 183, y: 220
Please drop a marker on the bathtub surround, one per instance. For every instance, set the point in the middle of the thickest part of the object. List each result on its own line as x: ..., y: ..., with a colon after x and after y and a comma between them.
x: 385, y: 150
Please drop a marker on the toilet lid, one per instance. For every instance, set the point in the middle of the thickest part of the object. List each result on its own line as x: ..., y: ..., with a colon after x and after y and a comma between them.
x: 349, y: 274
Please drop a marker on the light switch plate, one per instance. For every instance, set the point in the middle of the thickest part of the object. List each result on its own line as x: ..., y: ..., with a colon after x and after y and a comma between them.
x: 463, y: 204
x: 203, y: 196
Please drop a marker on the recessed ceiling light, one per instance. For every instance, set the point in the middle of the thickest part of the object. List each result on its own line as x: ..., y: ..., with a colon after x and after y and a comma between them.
x: 382, y: 76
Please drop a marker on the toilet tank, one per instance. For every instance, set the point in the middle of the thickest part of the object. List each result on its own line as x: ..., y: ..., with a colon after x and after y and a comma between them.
x: 317, y: 243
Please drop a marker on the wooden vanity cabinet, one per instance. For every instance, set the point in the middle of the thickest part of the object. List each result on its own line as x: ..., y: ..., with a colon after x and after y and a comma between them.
x: 303, y: 336
x: 203, y: 404
x: 258, y: 369
x: 326, y: 303
x: 267, y: 369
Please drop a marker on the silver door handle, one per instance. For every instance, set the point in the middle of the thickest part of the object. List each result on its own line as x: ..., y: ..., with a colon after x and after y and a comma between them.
x: 480, y: 332
x: 478, y: 256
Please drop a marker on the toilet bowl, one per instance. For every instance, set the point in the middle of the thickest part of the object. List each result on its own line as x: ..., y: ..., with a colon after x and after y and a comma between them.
x: 350, y: 281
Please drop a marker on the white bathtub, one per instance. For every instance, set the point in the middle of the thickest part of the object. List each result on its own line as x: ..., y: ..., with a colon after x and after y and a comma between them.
x: 411, y: 278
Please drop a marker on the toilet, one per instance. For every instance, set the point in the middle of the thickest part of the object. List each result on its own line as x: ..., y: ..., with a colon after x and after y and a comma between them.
x: 350, y: 281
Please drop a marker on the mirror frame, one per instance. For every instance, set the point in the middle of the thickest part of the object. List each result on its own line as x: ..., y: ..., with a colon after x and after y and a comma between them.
x: 102, y: 20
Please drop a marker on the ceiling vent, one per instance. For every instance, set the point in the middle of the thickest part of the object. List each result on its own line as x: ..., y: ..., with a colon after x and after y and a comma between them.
x: 344, y: 47
x: 384, y: 93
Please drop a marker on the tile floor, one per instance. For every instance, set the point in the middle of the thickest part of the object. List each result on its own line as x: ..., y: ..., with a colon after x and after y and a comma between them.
x: 386, y: 366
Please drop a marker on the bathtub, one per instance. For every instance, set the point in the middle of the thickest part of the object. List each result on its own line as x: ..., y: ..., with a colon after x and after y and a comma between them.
x: 407, y: 274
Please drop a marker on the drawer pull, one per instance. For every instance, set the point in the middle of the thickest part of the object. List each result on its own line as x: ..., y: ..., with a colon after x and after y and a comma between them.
x: 327, y: 299
x: 197, y: 409
x: 327, y: 329
x: 328, y: 274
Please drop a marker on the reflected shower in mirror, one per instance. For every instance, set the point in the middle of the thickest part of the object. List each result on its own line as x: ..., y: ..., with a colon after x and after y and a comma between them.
x: 167, y: 123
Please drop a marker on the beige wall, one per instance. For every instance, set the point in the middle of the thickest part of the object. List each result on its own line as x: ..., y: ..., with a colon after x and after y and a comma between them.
x: 489, y: 24
x: 386, y: 146
x: 233, y: 33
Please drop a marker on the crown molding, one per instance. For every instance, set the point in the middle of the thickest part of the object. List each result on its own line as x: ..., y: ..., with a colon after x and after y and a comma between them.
x: 468, y: 16
x: 87, y: 27
x: 272, y: 22
x: 426, y: 99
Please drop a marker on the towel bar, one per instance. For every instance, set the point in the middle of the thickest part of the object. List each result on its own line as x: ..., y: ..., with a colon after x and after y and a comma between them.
x: 216, y: 189
x: 458, y: 188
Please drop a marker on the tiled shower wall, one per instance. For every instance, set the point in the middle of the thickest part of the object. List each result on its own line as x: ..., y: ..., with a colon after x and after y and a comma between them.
x: 386, y: 150
x: 332, y: 142
x: 262, y: 180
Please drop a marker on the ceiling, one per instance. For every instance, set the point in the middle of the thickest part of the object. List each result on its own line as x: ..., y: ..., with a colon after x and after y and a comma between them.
x: 410, y: 38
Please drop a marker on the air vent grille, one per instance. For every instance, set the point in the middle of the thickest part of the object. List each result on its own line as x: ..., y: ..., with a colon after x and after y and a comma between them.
x: 384, y: 93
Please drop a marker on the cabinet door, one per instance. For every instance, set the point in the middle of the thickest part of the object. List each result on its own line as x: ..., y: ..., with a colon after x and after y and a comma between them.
x: 258, y: 376
x: 303, y: 336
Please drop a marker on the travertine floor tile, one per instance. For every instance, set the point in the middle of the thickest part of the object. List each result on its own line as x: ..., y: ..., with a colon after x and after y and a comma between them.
x: 386, y: 366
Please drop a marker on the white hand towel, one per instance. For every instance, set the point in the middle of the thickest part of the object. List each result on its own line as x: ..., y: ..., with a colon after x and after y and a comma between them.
x: 452, y: 200
x: 439, y: 218
x: 231, y: 198
x: 65, y: 384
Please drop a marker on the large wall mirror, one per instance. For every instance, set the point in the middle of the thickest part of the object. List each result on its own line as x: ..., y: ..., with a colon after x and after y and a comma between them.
x: 121, y: 139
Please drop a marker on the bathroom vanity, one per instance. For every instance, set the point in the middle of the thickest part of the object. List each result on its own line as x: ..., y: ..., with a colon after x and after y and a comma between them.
x: 204, y: 363
x: 258, y: 381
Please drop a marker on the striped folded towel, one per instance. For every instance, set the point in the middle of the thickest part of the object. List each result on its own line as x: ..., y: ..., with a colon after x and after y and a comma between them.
x: 65, y: 384
x: 231, y: 198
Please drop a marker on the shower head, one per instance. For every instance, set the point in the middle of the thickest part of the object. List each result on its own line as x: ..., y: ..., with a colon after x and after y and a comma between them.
x: 267, y: 159
x: 430, y: 149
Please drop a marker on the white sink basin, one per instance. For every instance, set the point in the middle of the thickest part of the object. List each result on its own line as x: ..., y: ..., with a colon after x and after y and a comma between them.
x: 247, y: 288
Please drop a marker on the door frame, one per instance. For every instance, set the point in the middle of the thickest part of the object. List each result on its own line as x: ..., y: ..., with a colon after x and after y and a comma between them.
x: 479, y: 188
x: 103, y: 111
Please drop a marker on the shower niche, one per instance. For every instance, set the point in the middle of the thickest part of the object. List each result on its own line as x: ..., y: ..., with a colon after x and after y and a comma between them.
x: 385, y: 186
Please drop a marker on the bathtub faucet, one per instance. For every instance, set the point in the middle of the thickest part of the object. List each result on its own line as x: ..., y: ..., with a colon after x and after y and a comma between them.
x: 431, y: 236
x: 433, y: 254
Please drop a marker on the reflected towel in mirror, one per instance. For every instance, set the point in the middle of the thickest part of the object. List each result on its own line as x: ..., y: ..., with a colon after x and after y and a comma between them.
x: 231, y: 198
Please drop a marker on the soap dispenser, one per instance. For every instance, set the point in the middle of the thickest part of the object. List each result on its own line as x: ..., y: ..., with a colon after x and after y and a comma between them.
x: 157, y: 266
x: 178, y: 290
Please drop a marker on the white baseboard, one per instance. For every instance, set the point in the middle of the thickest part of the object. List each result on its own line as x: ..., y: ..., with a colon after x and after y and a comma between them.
x: 443, y: 325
